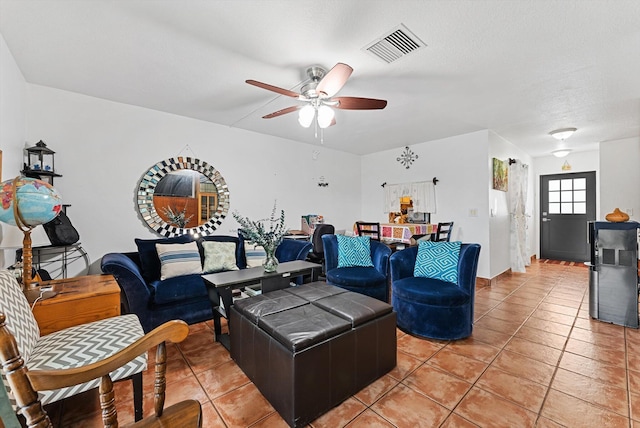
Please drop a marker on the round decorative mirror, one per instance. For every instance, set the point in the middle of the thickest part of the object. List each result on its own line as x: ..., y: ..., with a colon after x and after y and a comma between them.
x: 183, y: 195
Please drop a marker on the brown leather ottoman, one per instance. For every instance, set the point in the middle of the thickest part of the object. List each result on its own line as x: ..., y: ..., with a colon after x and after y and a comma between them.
x: 309, y: 348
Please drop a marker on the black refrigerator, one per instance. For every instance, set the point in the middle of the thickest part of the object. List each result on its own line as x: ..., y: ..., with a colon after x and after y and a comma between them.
x: 613, y: 276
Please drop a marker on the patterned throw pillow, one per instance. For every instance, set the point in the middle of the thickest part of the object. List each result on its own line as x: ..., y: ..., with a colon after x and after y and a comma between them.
x: 438, y: 260
x: 354, y: 251
x: 219, y: 256
x: 149, y: 255
x: 178, y: 259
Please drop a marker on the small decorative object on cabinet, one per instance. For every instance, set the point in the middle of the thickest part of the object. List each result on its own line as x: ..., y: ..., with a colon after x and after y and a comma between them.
x: 40, y: 163
x: 617, y: 216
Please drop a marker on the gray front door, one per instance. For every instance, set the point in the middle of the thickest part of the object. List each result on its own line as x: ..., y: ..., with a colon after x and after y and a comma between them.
x: 567, y: 204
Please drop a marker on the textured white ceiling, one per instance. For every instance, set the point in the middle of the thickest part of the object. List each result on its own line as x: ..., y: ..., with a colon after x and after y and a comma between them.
x: 521, y: 68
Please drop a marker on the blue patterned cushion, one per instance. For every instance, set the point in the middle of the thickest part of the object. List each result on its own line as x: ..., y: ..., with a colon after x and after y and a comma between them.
x: 178, y: 259
x: 354, y: 251
x: 438, y: 260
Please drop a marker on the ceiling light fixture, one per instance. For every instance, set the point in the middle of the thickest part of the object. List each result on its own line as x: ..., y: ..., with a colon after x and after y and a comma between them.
x: 306, y: 115
x: 323, y: 114
x: 562, y: 134
x: 560, y: 153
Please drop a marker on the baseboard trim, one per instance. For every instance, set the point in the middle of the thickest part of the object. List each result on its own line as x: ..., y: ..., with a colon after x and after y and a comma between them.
x: 486, y: 282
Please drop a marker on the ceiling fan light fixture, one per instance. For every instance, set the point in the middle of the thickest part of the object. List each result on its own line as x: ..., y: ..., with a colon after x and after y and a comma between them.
x: 325, y: 116
x: 560, y: 153
x: 562, y: 134
x: 306, y: 115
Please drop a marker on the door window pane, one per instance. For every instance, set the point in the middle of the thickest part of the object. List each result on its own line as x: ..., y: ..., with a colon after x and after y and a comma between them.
x: 554, y: 208
x: 580, y: 195
x: 566, y: 184
x: 580, y: 183
x: 554, y: 196
x: 554, y: 185
x: 566, y: 208
x: 579, y: 208
x: 566, y: 196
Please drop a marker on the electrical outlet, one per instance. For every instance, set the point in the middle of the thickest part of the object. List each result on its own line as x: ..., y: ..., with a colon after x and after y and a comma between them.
x: 473, y: 212
x: 629, y: 211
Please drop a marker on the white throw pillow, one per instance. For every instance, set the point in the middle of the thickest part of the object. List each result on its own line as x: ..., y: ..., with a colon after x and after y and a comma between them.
x: 219, y: 256
x: 178, y: 259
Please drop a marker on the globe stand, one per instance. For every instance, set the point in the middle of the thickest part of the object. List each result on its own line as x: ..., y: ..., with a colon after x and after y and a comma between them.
x: 27, y: 254
x: 39, y: 206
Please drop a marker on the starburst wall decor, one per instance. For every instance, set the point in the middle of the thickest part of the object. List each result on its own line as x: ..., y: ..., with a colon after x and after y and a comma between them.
x: 407, y: 157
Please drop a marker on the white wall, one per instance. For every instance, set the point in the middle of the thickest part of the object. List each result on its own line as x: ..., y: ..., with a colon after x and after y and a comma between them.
x: 620, y: 177
x: 463, y: 185
x: 12, y: 124
x: 500, y: 219
x: 546, y: 165
x: 103, y: 148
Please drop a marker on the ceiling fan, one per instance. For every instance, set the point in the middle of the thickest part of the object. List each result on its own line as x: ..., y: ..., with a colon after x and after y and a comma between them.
x: 318, y: 95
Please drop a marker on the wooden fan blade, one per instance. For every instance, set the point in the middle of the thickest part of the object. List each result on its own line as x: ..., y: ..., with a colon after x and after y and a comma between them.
x: 356, y: 103
x: 334, y: 80
x: 281, y: 112
x: 276, y: 89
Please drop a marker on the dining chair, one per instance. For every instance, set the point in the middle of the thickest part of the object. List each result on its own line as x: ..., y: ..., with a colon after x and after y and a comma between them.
x: 443, y: 233
x: 26, y: 385
x: 370, y: 229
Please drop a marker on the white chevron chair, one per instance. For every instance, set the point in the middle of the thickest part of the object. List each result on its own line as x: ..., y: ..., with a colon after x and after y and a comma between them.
x: 72, y: 347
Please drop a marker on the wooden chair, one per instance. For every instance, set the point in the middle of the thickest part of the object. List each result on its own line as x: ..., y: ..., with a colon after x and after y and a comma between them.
x: 443, y: 233
x: 369, y: 229
x: 25, y: 384
x: 76, y: 346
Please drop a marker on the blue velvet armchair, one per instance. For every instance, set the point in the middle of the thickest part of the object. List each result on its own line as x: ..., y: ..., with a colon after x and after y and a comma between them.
x: 430, y: 307
x: 157, y: 301
x: 293, y: 249
x: 371, y: 281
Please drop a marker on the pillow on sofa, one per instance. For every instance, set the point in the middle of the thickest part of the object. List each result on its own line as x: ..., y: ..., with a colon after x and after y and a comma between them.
x: 149, y: 260
x: 255, y: 254
x: 219, y: 256
x: 354, y: 251
x: 178, y: 259
x: 438, y: 260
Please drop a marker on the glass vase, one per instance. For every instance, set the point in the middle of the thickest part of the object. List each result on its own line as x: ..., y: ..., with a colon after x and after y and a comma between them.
x: 270, y: 263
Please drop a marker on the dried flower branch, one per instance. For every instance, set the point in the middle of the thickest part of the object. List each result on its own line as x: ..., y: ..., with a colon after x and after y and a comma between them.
x: 257, y: 232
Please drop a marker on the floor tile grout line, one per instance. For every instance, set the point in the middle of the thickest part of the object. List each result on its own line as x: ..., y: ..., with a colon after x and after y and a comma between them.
x: 557, y: 365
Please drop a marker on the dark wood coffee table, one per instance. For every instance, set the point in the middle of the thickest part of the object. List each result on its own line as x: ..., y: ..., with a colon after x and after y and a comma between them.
x: 221, y: 285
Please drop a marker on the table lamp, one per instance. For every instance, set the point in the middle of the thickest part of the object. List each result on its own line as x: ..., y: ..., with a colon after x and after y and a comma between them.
x: 27, y: 203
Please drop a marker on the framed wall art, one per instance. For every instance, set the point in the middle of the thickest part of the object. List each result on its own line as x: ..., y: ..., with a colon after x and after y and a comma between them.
x: 500, y: 175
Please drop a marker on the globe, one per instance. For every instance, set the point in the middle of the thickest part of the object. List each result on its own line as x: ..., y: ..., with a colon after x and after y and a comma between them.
x: 38, y: 202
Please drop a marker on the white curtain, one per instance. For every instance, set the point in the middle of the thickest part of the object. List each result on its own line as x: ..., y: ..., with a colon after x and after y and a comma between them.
x: 517, y: 195
x: 423, y: 195
x: 392, y: 196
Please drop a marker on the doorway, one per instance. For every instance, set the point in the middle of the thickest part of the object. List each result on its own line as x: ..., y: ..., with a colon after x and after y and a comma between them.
x: 567, y: 204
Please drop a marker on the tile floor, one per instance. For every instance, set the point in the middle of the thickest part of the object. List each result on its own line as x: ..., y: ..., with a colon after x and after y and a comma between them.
x: 535, y: 359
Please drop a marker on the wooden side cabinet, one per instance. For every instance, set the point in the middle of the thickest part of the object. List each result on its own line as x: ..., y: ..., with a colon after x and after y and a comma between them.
x: 77, y: 301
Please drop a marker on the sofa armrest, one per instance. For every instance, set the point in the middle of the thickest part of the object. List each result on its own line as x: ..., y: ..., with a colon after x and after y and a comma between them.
x: 135, y: 295
x: 402, y: 263
x: 380, y: 254
x: 468, y: 267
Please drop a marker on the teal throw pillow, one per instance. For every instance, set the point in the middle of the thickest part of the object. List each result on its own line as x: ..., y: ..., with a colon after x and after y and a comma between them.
x: 438, y: 260
x: 354, y: 251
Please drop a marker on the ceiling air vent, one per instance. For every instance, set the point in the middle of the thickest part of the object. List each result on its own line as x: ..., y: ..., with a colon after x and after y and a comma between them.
x: 395, y: 44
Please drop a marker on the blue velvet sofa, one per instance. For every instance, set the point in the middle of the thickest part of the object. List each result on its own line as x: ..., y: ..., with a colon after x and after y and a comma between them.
x: 430, y: 307
x: 371, y: 281
x: 155, y: 301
